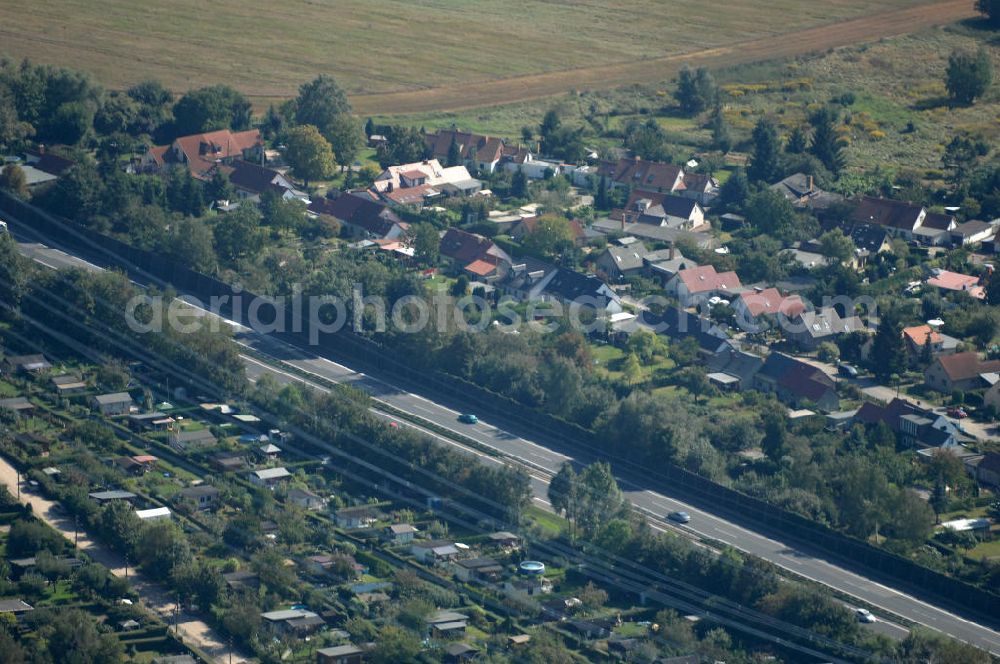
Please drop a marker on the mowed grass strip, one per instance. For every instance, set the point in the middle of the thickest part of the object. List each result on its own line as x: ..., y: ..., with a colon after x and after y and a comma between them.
x: 268, y: 50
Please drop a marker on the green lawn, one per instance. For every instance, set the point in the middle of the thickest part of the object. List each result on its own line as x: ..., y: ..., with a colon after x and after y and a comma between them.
x: 987, y: 550
x: 7, y: 390
x: 546, y: 520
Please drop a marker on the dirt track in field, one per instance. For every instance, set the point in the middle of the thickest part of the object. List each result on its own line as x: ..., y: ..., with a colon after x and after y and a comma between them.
x: 654, y: 70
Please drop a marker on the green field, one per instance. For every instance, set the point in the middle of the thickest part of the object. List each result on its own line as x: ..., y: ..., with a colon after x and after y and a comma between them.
x: 267, y: 50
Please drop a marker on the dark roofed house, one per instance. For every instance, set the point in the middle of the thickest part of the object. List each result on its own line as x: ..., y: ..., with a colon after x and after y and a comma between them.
x: 585, y: 290
x: 961, y: 371
x: 251, y: 180
x: 796, y: 382
x: 477, y: 569
x: 903, y: 219
x: 641, y: 174
x: 732, y: 370
x: 343, y: 654
x: 27, y: 363
x: 811, y: 328
x: 204, y: 496
x: 700, y: 187
x: 459, y: 652
x: 19, y: 405
x: 988, y: 469
x: 361, y: 216
x: 110, y: 405
x: 916, y: 426
x: 18, y: 607
x: 103, y: 497
x: 972, y: 232
x: 661, y: 209
x: 361, y: 516
x: 192, y: 439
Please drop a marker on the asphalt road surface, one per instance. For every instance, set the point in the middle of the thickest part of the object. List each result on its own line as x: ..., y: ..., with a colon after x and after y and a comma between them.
x: 510, y: 441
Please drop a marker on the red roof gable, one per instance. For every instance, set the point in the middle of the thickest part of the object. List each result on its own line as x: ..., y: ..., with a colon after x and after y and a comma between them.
x: 705, y: 279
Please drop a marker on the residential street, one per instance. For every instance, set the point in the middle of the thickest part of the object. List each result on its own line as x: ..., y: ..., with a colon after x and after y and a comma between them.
x: 151, y: 594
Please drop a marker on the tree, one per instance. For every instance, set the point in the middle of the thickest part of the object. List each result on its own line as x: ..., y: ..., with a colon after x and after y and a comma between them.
x: 403, y: 145
x: 797, y: 141
x: 969, y: 76
x: 238, y: 234
x: 647, y: 139
x: 598, y: 498
x: 211, y: 108
x: 119, y: 525
x: 721, y: 138
x: 593, y: 597
x: 281, y: 214
x: 837, y: 246
x: 888, y: 350
x: 344, y: 134
x: 162, y: 547
x: 454, y: 153
x: 771, y: 213
x: 71, y: 122
x: 191, y: 244
x: 426, y: 244
x: 696, y: 90
x: 309, y: 153
x: 990, y: 9
x: 960, y: 157
x: 519, y: 184
x: 71, y: 636
x: 734, y: 192
x: 550, y: 236
x: 632, y: 369
x: 827, y: 146
x: 13, y: 180
x: 395, y: 646
x: 219, y: 188
x: 561, y: 491
x: 764, y: 165
x: 321, y: 102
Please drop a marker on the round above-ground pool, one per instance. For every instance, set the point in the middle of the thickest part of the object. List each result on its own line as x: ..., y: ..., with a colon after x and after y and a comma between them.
x: 532, y: 568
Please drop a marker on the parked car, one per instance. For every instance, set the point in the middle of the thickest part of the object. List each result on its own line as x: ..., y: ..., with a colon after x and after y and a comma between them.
x: 957, y: 412
x: 468, y: 418
x: 847, y: 371
x: 865, y: 616
x: 679, y: 517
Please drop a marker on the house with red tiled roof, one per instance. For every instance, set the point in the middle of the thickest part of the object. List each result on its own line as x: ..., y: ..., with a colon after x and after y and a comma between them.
x: 477, y: 257
x: 956, y: 281
x: 200, y: 153
x: 796, y: 383
x: 756, y: 310
x: 918, y: 336
x: 636, y: 173
x: 961, y: 371
x: 361, y: 217
x: 696, y: 285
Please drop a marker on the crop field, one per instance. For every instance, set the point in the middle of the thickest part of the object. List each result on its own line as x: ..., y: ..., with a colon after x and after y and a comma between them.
x: 403, y: 56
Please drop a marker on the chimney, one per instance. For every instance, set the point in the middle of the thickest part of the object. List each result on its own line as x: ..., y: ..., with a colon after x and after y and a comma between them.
x: 623, y: 221
x: 810, y: 184
x: 673, y: 251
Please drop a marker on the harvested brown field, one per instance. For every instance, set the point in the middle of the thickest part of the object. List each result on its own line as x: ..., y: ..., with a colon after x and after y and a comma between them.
x: 399, y: 56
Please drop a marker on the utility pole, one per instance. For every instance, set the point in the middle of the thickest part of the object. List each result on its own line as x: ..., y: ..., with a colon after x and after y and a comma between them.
x: 126, y: 567
x: 18, y: 483
x: 76, y: 531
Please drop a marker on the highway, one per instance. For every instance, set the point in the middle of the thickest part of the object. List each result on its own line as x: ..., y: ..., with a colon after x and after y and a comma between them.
x: 509, y: 441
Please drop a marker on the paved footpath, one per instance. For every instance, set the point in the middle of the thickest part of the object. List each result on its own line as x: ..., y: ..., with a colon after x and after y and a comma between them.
x: 152, y: 595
